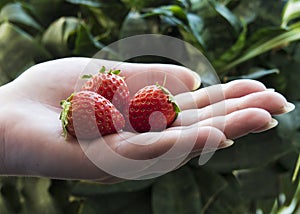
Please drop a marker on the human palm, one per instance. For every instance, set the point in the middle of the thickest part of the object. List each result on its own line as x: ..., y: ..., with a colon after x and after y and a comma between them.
x: 32, y: 143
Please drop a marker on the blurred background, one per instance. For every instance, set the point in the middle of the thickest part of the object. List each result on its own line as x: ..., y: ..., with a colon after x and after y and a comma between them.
x: 254, y: 39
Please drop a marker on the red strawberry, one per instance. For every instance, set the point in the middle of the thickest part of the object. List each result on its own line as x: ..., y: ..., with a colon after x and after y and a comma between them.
x: 109, y: 85
x: 88, y: 115
x: 152, y: 109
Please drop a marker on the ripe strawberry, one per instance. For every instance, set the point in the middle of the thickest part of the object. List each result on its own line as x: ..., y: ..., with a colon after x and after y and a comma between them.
x: 109, y: 85
x: 88, y: 115
x: 152, y: 108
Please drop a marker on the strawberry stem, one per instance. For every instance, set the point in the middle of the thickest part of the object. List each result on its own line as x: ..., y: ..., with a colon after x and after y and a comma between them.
x: 165, y: 80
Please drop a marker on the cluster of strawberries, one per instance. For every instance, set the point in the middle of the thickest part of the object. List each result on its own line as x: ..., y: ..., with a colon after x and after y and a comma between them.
x: 104, y: 106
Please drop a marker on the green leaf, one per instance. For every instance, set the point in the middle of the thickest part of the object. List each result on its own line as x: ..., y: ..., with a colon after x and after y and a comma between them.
x: 36, y: 196
x: 296, y: 170
x: 189, y: 23
x: 28, y: 195
x: 291, y: 11
x: 287, y: 188
x: 247, y: 10
x: 47, y: 11
x: 224, y: 12
x: 233, y: 51
x: 196, y: 25
x: 210, y: 185
x: 4, y: 2
x: 176, y: 192
x: 263, y: 35
x: 135, y: 24
x: 85, y: 43
x: 15, y: 13
x: 174, y: 12
x: 11, y: 193
x: 262, y: 182
x: 219, y: 193
x: 3, y: 78
x: 293, y: 206
x: 256, y: 73
x: 89, y: 3
x: 56, y: 38
x: 13, y: 61
x: 4, y: 207
x: 260, y: 47
x: 125, y: 203
x: 250, y: 151
x: 86, y: 188
x: 139, y: 5
x: 289, y: 126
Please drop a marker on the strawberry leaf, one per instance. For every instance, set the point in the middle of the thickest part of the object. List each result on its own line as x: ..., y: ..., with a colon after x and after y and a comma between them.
x: 65, y: 104
x: 102, y: 70
x: 176, y: 108
x: 116, y: 72
x: 170, y: 98
x: 111, y: 71
x: 86, y: 76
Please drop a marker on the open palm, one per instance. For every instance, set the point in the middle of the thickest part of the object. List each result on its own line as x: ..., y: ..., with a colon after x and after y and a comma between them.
x: 32, y: 144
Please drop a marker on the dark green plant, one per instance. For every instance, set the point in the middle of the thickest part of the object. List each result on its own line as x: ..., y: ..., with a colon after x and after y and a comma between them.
x: 242, y: 39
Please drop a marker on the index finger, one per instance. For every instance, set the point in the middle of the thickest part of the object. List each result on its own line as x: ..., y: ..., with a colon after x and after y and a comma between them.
x: 177, y: 79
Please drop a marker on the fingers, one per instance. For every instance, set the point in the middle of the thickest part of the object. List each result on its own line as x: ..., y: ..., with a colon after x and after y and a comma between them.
x: 240, y: 123
x: 181, y: 140
x: 216, y: 93
x: 272, y: 102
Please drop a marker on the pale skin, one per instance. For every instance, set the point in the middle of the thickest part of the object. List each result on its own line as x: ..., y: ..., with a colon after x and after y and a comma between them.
x: 32, y: 144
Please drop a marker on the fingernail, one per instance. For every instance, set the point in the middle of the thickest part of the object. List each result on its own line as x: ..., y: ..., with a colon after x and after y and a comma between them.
x: 226, y: 144
x: 270, y: 125
x: 197, y: 81
x: 270, y: 89
x: 222, y: 145
x: 288, y: 107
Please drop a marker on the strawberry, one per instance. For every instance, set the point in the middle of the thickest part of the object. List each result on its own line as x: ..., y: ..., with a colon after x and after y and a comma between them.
x: 88, y: 115
x: 152, y: 108
x: 109, y: 85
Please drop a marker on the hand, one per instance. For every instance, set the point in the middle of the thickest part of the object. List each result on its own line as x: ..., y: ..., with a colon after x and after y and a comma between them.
x: 31, y: 140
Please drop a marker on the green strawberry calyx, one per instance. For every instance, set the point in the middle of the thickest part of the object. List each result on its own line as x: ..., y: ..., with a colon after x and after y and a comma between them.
x: 170, y: 98
x: 65, y: 104
x: 111, y: 71
x: 86, y: 76
x: 102, y: 71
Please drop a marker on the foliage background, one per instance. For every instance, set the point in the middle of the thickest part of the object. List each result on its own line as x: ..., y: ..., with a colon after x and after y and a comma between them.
x: 254, y: 39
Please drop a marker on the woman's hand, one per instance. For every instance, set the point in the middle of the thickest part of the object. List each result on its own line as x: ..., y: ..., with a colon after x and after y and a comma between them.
x: 32, y: 144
